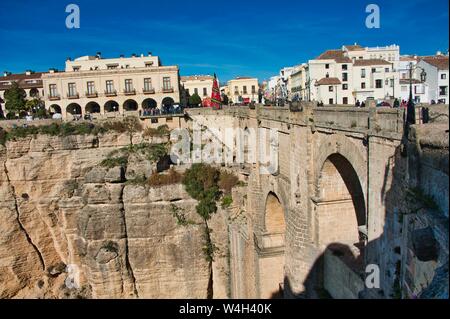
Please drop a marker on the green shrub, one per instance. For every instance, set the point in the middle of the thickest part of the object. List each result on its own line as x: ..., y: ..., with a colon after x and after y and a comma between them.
x: 162, y: 130
x: 200, y: 179
x: 227, y: 200
x: 114, y: 162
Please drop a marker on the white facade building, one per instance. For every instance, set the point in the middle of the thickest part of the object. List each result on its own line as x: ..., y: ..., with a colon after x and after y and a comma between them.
x: 436, y: 68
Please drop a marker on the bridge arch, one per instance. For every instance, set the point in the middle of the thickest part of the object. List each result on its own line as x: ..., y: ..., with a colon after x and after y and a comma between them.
x: 341, y: 208
x: 271, y: 255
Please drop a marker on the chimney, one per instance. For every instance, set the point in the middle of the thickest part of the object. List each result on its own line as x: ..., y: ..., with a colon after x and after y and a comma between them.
x: 52, y: 70
x: 6, y: 73
x: 69, y: 59
x: 149, y: 53
x: 133, y: 55
x: 28, y: 72
x: 98, y: 55
x: 439, y: 53
x: 122, y: 56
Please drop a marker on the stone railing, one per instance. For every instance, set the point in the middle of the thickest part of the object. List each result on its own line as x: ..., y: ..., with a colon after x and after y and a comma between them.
x: 376, y: 121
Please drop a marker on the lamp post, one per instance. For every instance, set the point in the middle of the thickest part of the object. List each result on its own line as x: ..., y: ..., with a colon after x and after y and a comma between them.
x: 411, y: 112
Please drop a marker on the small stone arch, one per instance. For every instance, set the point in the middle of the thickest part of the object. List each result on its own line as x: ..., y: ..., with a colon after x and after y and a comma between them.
x: 55, y: 108
x: 74, y: 109
x: 130, y: 105
x: 111, y: 106
x: 92, y: 107
x: 167, y: 102
x: 274, y: 221
x: 149, y: 104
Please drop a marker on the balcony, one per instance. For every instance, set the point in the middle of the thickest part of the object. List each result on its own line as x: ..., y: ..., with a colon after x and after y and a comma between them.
x: 148, y: 91
x: 91, y: 94
x: 110, y: 93
x: 129, y: 92
x: 167, y: 90
x: 54, y: 97
x: 72, y: 96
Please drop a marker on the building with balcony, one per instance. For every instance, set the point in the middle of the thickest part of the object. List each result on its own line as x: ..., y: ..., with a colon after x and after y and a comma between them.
x: 354, y: 73
x: 243, y: 90
x: 109, y: 87
x: 196, y: 84
x: 29, y: 81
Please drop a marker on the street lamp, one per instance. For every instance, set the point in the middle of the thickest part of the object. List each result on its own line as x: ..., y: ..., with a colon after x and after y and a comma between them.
x: 411, y: 112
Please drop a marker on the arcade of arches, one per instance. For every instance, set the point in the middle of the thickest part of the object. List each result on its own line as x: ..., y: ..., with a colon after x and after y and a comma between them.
x: 112, y: 106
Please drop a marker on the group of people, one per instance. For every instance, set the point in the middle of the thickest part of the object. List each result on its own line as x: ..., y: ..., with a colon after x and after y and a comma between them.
x: 166, y: 110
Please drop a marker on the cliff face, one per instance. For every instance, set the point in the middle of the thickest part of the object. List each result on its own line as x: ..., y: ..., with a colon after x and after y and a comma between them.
x: 71, y: 228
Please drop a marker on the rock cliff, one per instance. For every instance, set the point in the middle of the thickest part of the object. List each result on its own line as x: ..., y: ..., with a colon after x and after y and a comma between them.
x: 70, y: 228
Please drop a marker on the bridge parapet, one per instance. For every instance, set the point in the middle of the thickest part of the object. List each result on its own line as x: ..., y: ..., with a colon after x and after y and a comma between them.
x: 372, y: 121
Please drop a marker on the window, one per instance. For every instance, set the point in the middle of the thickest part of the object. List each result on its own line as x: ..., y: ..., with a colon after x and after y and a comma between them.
x: 112, y: 67
x: 244, y: 89
x: 253, y: 89
x: 363, y: 73
x: 72, y: 89
x: 76, y: 68
x: 52, y: 90
x: 147, y: 84
x: 392, y: 83
x: 374, y: 70
x: 148, y: 64
x: 166, y: 83
x: 344, y: 87
x: 205, y: 91
x: 236, y: 90
x: 327, y: 75
x: 109, y: 86
x: 379, y: 84
x: 128, y: 85
x: 330, y: 88
x: 327, y: 66
x: 442, y: 90
x: 344, y: 67
x: 363, y: 85
x: 331, y: 101
x: 443, y: 76
x: 386, y: 70
x: 196, y: 91
x: 345, y: 77
x: 90, y: 87
x: 345, y: 100
x: 187, y: 91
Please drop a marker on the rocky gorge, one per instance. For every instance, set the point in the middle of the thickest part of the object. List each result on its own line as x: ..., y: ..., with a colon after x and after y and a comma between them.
x: 72, y: 228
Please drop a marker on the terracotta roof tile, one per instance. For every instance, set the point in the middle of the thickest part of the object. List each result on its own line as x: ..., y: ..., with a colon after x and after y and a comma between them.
x: 368, y: 62
x: 440, y: 62
x: 22, y: 79
x: 337, y: 55
x: 328, y: 81
x: 356, y: 47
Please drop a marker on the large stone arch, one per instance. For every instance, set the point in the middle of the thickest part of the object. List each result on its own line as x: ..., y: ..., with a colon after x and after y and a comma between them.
x: 340, y: 144
x: 130, y: 105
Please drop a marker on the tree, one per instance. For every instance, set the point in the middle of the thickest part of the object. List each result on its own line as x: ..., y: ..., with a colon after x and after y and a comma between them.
x: 15, y: 99
x: 195, y: 100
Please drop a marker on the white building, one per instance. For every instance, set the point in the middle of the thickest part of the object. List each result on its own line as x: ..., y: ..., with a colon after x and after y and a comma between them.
x: 436, y: 68
x: 354, y: 73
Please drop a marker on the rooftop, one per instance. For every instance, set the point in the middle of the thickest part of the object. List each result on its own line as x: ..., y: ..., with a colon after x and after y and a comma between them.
x: 438, y: 61
x: 369, y: 62
x: 328, y: 81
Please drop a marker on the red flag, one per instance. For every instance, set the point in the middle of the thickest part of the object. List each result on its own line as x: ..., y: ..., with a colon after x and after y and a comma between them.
x: 216, y: 101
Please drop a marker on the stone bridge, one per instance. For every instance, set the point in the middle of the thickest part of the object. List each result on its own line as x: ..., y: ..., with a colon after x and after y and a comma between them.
x: 310, y: 225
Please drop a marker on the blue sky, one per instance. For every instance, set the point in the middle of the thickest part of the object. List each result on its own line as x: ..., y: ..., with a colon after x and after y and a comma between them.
x: 231, y: 38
